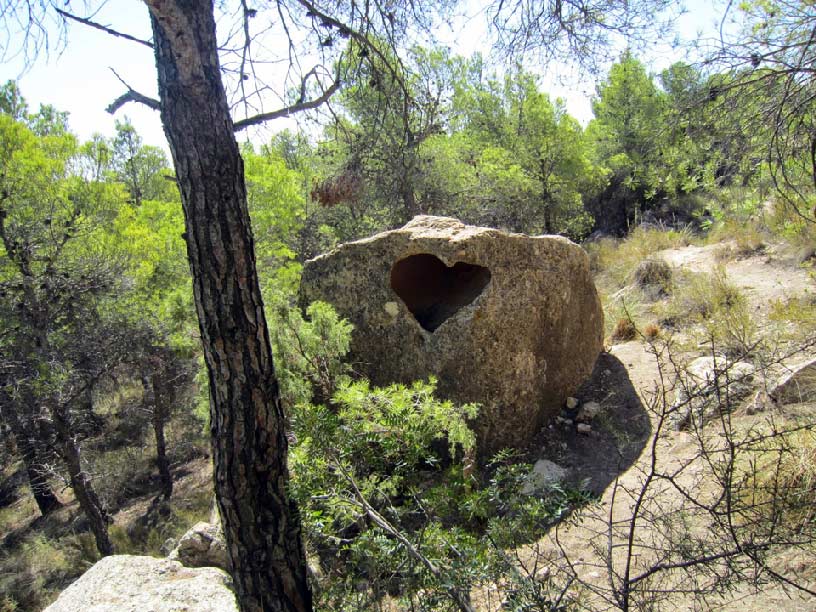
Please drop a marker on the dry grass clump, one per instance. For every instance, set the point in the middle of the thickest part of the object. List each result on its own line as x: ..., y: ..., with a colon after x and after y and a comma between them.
x: 616, y: 259
x: 717, y: 309
x: 782, y: 478
x: 651, y: 331
x: 653, y: 277
x: 742, y: 239
x: 624, y: 330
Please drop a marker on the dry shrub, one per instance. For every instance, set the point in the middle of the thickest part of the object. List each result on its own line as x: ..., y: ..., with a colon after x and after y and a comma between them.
x: 654, y: 277
x: 651, y: 331
x: 344, y: 187
x: 624, y: 330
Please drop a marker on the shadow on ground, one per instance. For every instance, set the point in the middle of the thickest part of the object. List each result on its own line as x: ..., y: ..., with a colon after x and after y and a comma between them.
x: 618, y: 436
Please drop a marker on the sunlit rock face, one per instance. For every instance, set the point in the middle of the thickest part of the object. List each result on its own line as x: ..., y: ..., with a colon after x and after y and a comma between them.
x: 509, y: 321
x: 127, y: 583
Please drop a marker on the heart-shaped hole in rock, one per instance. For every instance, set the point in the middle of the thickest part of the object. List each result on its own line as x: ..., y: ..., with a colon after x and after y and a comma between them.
x: 432, y: 291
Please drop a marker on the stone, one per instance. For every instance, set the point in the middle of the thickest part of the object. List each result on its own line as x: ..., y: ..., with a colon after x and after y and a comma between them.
x: 583, y: 428
x: 127, y: 583
x: 588, y: 411
x: 509, y: 321
x: 704, y: 387
x: 797, y: 386
x: 544, y: 475
x: 202, y: 546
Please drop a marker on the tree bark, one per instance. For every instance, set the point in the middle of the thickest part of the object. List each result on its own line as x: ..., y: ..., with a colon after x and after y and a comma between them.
x: 261, y: 524
x: 81, y: 481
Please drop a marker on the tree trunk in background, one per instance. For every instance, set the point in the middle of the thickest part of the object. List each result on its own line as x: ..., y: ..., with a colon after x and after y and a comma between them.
x: 37, y: 474
x: 157, y: 397
x: 29, y: 452
x: 81, y: 482
x: 261, y: 524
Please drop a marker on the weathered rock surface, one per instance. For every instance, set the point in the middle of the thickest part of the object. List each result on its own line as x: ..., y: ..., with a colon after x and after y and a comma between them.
x: 509, y: 321
x: 799, y: 385
x: 126, y: 583
x: 202, y: 546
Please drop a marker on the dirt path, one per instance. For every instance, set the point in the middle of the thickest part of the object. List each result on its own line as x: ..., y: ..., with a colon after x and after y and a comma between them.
x: 764, y: 277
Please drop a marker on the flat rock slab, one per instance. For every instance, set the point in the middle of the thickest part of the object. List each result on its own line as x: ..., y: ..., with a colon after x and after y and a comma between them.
x: 509, y: 321
x: 126, y: 583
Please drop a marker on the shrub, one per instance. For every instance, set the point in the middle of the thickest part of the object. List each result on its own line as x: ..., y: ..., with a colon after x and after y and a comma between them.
x: 624, y: 331
x: 653, y: 277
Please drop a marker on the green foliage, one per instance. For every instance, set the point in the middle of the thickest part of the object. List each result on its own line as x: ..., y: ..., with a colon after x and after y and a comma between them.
x: 309, y: 352
x: 402, y: 456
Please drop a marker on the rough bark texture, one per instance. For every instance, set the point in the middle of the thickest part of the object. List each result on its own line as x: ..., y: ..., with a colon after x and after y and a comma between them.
x: 261, y: 524
x: 160, y: 412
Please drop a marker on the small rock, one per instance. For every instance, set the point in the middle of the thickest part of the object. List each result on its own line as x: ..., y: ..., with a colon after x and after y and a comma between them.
x: 589, y: 411
x: 705, y: 384
x: 571, y: 403
x: 202, y: 546
x: 584, y: 428
x: 544, y: 475
x: 168, y: 546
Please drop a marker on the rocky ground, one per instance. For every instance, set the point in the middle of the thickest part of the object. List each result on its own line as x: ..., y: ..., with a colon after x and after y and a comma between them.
x: 626, y: 439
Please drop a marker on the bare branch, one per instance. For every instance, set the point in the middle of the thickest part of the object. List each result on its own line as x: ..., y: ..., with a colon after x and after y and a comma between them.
x: 106, y: 29
x: 131, y: 96
x: 289, y: 110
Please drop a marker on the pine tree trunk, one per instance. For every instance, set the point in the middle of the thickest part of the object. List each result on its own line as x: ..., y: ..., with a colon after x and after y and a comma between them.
x: 81, y: 482
x: 156, y: 396
x: 261, y: 524
x: 37, y: 476
x: 46, y: 500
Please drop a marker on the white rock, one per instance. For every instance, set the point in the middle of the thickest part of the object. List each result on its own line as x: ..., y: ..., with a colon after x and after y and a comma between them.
x: 126, y: 583
x: 544, y: 475
x: 584, y: 428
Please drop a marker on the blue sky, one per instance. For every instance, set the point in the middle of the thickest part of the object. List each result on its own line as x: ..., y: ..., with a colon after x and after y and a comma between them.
x: 80, y: 80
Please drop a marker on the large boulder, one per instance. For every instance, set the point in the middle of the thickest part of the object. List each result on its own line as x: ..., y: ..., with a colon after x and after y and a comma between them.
x: 128, y: 583
x: 512, y: 322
